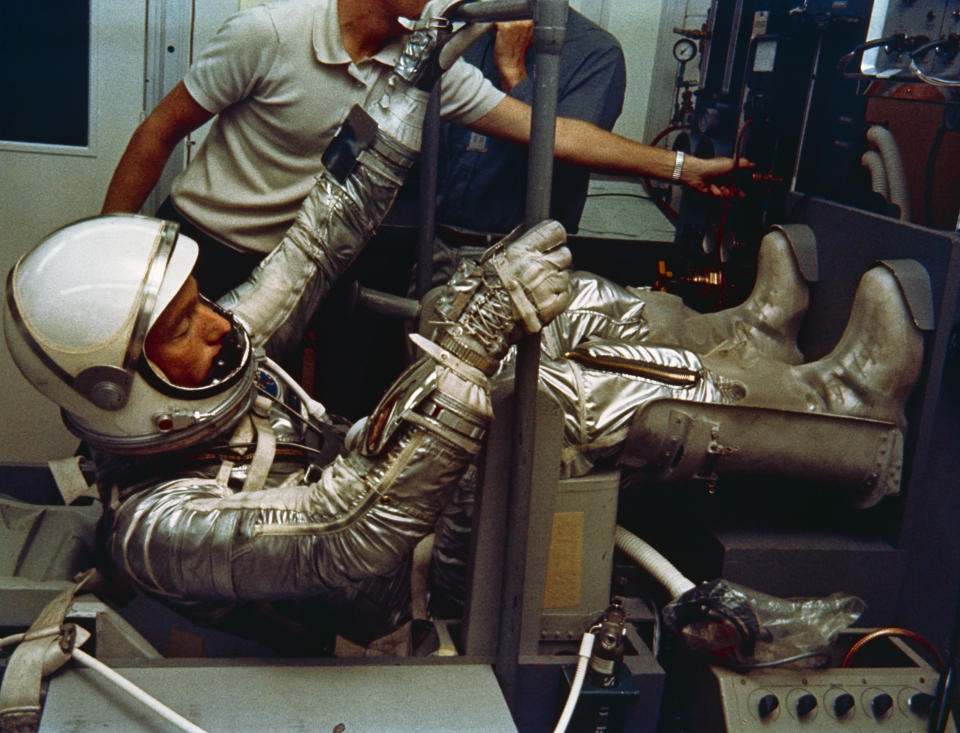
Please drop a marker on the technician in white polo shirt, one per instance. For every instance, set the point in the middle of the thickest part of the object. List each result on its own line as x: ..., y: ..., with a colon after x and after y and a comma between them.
x: 280, y: 77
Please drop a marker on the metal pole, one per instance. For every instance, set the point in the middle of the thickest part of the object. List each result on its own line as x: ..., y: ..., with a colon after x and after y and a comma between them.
x: 492, y: 10
x: 429, y: 161
x: 550, y: 19
x: 430, y: 144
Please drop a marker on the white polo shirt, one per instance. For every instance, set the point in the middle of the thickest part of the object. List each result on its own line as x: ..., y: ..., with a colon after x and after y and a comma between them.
x: 280, y: 81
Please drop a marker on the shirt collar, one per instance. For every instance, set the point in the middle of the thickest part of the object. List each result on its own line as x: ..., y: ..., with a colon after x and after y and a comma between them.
x: 328, y: 47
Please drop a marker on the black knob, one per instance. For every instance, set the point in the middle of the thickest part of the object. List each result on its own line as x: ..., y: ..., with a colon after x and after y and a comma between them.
x: 881, y: 705
x: 806, y: 705
x: 843, y: 704
x: 921, y: 703
x: 767, y: 705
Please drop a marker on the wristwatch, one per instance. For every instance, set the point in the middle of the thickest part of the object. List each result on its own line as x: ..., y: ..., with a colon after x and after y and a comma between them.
x: 677, y: 168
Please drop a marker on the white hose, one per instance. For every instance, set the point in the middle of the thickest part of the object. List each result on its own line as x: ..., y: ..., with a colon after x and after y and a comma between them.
x: 131, y: 689
x: 315, y: 409
x: 883, y: 139
x: 872, y: 161
x: 586, y: 649
x: 653, y: 562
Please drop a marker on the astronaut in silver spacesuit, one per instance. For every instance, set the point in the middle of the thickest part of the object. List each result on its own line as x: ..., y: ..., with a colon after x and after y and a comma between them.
x: 213, y: 485
x: 219, y: 488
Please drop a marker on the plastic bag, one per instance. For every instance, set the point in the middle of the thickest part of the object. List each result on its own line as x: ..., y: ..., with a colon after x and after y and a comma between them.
x: 745, y: 628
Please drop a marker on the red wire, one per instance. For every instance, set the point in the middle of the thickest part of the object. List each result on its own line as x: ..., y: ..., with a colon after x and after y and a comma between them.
x: 670, y: 211
x: 666, y: 131
x: 891, y: 631
x: 726, y: 204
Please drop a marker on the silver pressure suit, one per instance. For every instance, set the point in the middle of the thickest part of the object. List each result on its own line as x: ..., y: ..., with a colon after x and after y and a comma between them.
x: 597, y: 361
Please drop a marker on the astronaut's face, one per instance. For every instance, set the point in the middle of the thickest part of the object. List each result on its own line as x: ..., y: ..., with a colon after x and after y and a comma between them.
x: 186, y: 338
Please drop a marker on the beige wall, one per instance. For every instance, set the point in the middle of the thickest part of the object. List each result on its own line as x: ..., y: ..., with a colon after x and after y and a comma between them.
x: 645, y: 31
x: 40, y: 191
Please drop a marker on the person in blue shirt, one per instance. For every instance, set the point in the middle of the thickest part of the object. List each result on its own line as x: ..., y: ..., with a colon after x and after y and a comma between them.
x: 482, y: 179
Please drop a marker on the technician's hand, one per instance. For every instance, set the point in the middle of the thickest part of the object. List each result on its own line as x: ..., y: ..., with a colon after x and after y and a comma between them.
x: 510, y: 48
x: 712, y: 176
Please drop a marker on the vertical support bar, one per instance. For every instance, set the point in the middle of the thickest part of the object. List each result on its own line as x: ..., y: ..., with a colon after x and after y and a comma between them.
x: 550, y: 18
x: 429, y: 163
x: 549, y: 30
x: 481, y: 619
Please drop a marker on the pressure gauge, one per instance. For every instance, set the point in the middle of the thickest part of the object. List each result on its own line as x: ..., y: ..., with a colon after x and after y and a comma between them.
x: 684, y: 50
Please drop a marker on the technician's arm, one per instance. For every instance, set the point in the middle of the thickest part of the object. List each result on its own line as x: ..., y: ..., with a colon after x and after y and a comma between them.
x: 582, y: 143
x: 150, y: 146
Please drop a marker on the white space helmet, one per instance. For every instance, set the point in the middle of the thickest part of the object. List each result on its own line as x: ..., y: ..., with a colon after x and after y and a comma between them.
x: 78, y: 309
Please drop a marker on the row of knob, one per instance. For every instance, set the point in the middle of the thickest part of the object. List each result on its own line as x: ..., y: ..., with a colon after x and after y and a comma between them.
x: 920, y: 704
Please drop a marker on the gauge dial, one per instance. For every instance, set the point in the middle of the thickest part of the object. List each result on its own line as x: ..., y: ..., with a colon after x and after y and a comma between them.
x: 684, y: 50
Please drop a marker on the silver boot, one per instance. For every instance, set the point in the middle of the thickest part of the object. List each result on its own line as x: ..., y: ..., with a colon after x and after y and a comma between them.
x: 873, y: 368
x: 765, y: 325
x: 838, y: 420
x: 869, y: 373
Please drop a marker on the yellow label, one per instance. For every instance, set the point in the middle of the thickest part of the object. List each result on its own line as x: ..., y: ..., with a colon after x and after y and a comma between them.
x: 564, y: 563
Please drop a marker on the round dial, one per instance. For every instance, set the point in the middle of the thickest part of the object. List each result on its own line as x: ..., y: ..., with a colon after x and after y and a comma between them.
x: 684, y: 50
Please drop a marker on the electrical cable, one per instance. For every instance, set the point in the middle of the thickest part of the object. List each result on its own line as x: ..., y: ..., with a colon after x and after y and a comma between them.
x: 786, y: 660
x: 131, y: 689
x: 934, y: 81
x: 315, y: 409
x: 122, y: 682
x: 891, y: 631
x: 666, y: 131
x: 921, y: 50
x: 726, y: 204
x: 586, y: 649
x: 291, y: 412
x: 844, y: 60
x: 927, y: 78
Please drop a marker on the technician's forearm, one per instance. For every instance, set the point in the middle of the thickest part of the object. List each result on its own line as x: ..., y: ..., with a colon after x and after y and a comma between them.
x: 584, y: 144
x: 137, y: 172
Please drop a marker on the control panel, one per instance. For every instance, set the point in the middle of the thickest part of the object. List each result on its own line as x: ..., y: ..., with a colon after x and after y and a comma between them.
x: 855, y: 699
x: 928, y: 33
